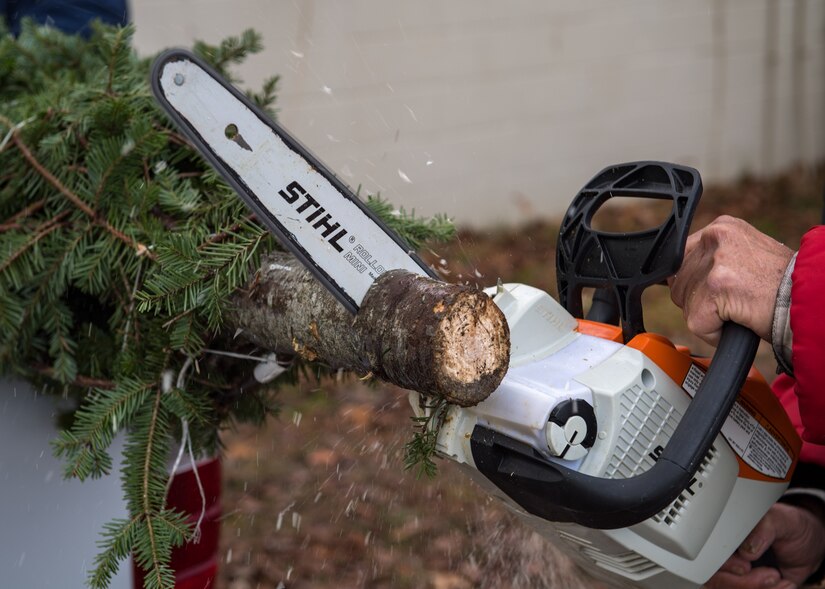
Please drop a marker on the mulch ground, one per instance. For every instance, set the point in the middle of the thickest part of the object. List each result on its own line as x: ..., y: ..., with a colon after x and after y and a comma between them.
x: 320, y: 498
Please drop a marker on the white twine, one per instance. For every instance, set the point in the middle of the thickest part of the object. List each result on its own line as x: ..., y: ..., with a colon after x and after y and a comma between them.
x: 132, y: 305
x: 235, y: 355
x: 13, y: 130
x: 186, y: 446
x: 186, y: 438
x: 268, y: 369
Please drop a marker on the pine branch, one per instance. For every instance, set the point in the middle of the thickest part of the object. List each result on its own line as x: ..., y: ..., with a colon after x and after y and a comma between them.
x: 202, y: 276
x: 415, y: 230
x: 230, y: 50
x: 96, y: 423
x: 195, y: 408
x: 176, y: 523
x: 229, y: 232
x: 26, y: 212
x: 86, y: 382
x: 113, y: 165
x: 120, y: 37
x: 45, y: 229
x: 158, y: 574
x: 118, y: 538
x: 420, y: 451
x: 50, y: 178
x: 160, y: 528
x: 36, y: 304
x: 76, y: 200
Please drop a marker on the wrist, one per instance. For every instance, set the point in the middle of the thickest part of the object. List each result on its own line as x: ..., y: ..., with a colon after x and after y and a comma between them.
x: 781, y: 333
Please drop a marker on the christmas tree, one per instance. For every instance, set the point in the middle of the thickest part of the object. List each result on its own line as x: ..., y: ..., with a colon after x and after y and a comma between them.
x: 120, y: 253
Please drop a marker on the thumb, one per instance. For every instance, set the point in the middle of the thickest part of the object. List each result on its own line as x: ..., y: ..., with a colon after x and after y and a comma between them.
x: 761, y: 537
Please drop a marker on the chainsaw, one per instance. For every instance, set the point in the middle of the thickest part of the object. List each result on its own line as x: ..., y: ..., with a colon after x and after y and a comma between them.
x: 646, y: 465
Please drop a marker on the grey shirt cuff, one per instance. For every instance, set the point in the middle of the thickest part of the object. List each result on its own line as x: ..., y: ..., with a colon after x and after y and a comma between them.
x: 781, y: 334
x: 795, y: 493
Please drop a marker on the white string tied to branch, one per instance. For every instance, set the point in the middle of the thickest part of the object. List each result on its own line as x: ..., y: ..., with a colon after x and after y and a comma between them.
x: 268, y: 369
x: 185, y: 446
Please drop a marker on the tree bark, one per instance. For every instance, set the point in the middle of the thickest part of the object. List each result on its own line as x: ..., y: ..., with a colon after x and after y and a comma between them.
x: 437, y: 338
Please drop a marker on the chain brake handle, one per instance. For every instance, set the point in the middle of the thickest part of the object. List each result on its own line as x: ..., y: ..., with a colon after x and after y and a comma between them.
x: 622, y: 265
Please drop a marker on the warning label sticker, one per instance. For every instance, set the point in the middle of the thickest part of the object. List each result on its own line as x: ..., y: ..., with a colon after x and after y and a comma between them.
x: 752, y: 441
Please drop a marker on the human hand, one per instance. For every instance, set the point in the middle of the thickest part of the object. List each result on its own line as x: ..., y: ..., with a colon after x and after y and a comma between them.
x: 731, y: 272
x: 796, y: 536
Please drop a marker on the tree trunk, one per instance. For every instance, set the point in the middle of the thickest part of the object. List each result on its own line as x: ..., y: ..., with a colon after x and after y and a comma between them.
x: 437, y: 338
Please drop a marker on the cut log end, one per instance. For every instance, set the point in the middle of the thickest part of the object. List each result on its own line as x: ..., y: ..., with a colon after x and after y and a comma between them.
x: 475, y: 348
x: 442, y: 339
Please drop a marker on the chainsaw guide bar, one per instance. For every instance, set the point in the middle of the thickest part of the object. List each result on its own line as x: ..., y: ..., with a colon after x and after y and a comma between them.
x: 313, y: 214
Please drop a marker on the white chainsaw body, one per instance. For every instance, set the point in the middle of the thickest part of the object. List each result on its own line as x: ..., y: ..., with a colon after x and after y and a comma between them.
x: 637, y: 408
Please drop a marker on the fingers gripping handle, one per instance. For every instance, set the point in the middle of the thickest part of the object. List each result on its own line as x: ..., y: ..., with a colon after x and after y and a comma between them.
x: 557, y: 493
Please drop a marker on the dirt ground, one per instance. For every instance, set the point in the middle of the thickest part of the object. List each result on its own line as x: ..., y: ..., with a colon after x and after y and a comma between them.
x: 319, y: 498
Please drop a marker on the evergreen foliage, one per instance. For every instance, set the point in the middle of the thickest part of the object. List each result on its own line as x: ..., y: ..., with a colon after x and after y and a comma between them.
x: 420, y: 450
x: 119, y: 250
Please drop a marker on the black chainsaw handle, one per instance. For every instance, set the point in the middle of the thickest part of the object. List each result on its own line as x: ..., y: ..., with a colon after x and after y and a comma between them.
x: 557, y: 493
x: 621, y: 265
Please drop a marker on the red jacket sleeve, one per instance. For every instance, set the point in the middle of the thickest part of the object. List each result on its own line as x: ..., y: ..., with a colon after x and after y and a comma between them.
x: 784, y: 388
x: 808, y: 326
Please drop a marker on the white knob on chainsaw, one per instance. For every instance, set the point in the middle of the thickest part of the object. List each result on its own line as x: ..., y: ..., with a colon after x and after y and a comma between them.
x: 570, y: 430
x: 566, y: 441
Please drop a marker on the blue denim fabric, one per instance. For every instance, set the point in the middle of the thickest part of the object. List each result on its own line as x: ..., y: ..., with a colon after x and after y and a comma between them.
x: 70, y: 16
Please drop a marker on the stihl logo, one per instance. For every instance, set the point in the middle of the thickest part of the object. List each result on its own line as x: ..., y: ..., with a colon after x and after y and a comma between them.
x: 295, y: 194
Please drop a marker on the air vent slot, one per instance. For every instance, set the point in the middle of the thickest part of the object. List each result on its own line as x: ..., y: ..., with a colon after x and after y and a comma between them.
x: 672, y: 515
x: 629, y: 564
x: 646, y: 415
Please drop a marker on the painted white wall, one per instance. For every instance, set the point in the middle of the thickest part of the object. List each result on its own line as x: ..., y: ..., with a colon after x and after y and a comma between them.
x: 497, y: 112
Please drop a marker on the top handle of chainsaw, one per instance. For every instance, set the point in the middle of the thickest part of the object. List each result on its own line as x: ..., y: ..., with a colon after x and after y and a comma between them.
x: 557, y: 493
x: 625, y: 263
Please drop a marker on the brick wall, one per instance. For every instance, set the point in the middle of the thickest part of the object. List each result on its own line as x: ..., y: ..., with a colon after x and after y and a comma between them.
x: 495, y: 112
